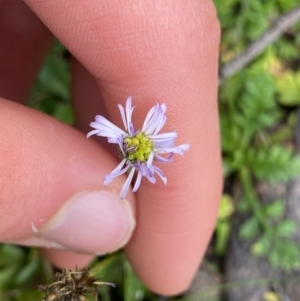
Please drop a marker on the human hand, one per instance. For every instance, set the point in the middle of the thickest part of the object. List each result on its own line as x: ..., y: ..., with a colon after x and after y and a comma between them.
x: 52, y: 192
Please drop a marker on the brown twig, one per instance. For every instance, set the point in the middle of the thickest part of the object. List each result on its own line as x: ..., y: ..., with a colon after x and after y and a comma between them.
x: 255, y: 48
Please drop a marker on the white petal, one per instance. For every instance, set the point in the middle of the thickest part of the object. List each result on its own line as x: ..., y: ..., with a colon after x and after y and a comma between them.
x: 91, y: 133
x: 115, y: 172
x: 127, y: 184
x: 137, y: 182
x: 148, y: 117
x: 164, y: 160
x: 131, y: 129
x: 112, y: 140
x: 164, y: 136
x: 101, y: 133
x: 107, y: 124
x: 184, y: 146
x: 160, y: 174
x: 122, y: 111
x: 151, y: 179
x: 120, y: 165
x: 107, y: 134
x: 150, y: 159
x: 120, y: 142
x: 180, y: 149
x: 111, y: 176
x: 152, y: 123
x: 129, y: 110
x: 163, y: 144
x: 161, y: 125
x: 157, y: 121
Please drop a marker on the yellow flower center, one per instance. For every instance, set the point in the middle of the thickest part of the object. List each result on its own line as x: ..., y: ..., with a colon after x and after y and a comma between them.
x: 138, y: 147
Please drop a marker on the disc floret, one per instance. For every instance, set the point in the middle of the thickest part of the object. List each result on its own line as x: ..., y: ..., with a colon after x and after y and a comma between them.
x: 137, y: 148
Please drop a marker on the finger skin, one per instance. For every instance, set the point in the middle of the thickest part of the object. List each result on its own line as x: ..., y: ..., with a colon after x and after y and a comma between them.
x: 157, y: 52
x: 44, y: 163
x: 24, y: 41
x: 87, y: 102
x: 67, y: 260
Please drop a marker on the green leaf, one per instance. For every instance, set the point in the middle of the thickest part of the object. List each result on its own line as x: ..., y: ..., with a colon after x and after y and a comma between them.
x: 222, y: 237
x: 271, y: 296
x: 288, y: 86
x: 10, y: 254
x: 251, y: 109
x: 29, y: 295
x: 249, y: 229
x: 55, y: 74
x: 286, y: 50
x: 274, y: 258
x: 109, y: 268
x: 226, y: 207
x: 261, y: 246
x: 243, y: 205
x: 231, y: 134
x: 26, y: 272
x: 7, y: 275
x: 227, y: 167
x: 286, y: 228
x: 51, y: 93
x: 64, y: 113
x: 133, y: 288
x: 285, y: 254
x: 277, y: 164
x: 275, y: 209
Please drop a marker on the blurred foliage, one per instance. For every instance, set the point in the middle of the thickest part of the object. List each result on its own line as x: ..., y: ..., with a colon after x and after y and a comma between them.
x: 51, y: 93
x: 243, y: 21
x: 21, y: 270
x: 271, y: 296
x: 223, y: 227
x: 257, y: 112
x: 257, y: 116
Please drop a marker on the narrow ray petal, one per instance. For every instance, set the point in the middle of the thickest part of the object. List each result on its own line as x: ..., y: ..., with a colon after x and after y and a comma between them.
x: 104, y: 122
x: 148, y: 117
x: 137, y: 182
x: 127, y: 184
x: 91, y: 133
x: 160, y: 174
x: 122, y: 111
x: 150, y: 159
x: 164, y: 160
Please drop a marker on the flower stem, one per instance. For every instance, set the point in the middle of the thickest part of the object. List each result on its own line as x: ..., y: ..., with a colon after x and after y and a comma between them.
x: 247, y: 185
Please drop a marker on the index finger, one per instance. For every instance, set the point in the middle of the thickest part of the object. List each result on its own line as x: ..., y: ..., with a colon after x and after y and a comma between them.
x: 158, y: 52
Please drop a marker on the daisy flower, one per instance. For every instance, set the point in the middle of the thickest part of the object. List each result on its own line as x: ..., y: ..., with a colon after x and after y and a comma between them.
x: 139, y: 149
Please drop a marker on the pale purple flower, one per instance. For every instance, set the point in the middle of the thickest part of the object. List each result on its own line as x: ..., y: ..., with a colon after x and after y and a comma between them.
x: 139, y: 149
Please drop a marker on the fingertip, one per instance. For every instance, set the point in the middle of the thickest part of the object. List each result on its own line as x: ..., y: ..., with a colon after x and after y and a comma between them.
x: 93, y: 222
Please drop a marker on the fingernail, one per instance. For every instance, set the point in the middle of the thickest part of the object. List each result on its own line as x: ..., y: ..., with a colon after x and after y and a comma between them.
x: 34, y: 241
x: 91, y: 222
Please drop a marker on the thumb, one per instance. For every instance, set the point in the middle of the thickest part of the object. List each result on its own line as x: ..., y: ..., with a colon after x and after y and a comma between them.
x: 51, y: 186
